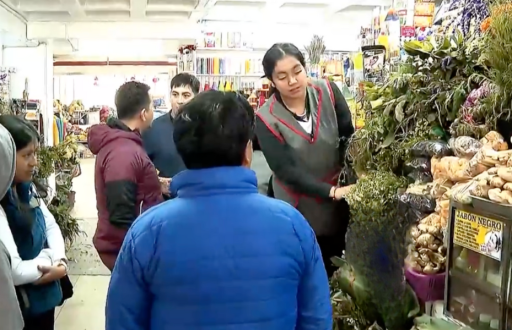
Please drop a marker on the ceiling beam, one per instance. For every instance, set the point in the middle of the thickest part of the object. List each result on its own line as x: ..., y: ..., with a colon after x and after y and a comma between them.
x: 274, y: 4
x: 201, y: 10
x: 270, y: 11
x: 138, y: 8
x: 338, y: 6
x: 74, y: 8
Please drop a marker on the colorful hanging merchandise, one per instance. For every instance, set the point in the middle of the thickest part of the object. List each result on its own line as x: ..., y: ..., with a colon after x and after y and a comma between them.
x: 471, y: 13
x: 5, y: 89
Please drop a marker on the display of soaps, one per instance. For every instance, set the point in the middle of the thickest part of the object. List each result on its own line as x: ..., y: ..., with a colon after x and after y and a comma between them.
x: 229, y: 66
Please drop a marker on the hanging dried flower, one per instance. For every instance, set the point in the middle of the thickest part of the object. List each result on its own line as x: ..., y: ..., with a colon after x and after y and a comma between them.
x: 315, y: 49
x: 501, y: 9
x: 187, y: 49
x: 486, y: 23
x: 472, y: 12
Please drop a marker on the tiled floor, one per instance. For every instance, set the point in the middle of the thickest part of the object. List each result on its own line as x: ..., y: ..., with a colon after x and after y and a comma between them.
x: 85, y: 311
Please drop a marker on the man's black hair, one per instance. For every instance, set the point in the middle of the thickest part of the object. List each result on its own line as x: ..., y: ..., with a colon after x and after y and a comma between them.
x: 213, y: 129
x: 186, y: 80
x: 131, y: 98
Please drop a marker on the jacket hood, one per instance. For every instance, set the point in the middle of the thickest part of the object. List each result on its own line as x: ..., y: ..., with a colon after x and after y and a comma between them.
x: 103, y: 134
x: 8, y: 156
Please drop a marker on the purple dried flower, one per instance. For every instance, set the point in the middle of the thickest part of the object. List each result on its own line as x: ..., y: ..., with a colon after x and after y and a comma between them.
x: 473, y: 11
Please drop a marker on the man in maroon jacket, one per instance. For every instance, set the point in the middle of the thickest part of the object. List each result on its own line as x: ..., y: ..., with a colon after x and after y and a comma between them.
x: 125, y: 179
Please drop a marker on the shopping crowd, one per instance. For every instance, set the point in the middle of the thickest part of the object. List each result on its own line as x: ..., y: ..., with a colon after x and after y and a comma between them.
x: 209, y: 217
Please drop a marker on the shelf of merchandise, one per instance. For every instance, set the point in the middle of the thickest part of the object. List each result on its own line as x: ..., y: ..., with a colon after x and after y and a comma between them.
x: 217, y: 49
x: 251, y: 75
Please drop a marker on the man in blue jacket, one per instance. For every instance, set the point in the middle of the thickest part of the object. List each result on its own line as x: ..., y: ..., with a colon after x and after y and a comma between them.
x: 220, y: 255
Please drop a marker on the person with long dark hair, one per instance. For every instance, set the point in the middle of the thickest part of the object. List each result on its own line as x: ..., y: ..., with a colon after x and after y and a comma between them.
x: 30, y: 233
x: 303, y: 129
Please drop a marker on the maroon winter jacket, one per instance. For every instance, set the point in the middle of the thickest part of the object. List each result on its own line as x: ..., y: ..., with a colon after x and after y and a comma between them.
x: 126, y: 184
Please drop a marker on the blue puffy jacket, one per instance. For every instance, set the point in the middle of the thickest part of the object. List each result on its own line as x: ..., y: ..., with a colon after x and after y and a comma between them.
x: 219, y: 257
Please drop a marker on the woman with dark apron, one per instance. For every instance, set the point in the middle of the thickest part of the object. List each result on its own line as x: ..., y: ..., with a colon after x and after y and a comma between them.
x: 303, y: 131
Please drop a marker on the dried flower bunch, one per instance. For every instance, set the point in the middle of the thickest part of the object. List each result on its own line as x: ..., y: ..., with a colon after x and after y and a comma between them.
x: 315, y: 49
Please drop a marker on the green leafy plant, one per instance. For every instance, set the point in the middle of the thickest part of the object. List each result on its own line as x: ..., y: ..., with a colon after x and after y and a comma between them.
x: 375, y: 253
x: 418, y: 102
x: 62, y: 160
x: 497, y: 55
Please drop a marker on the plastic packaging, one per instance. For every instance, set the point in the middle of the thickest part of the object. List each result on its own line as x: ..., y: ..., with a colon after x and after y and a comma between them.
x: 420, y: 164
x: 414, y: 216
x: 420, y: 177
x: 430, y: 149
x: 440, y: 187
x: 461, y: 192
x: 455, y: 169
x: 465, y: 146
x: 423, y: 203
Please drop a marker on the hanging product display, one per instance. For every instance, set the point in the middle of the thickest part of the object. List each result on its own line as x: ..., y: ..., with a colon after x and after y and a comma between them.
x: 229, y: 66
x: 230, y: 40
x: 186, y: 59
x: 424, y: 11
x: 374, y: 58
x: 5, y: 89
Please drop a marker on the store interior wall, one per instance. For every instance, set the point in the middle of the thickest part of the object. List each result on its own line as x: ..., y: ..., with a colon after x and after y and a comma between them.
x: 34, y: 64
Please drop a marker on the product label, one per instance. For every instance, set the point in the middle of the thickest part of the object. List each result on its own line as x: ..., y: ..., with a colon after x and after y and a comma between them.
x: 478, y: 233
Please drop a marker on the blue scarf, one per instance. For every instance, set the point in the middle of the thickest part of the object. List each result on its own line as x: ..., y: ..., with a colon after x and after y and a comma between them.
x: 28, y: 227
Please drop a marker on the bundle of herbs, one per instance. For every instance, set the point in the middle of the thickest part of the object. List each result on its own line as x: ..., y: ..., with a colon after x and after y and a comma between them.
x: 375, y: 253
x: 497, y: 55
x: 419, y: 102
x: 61, y: 160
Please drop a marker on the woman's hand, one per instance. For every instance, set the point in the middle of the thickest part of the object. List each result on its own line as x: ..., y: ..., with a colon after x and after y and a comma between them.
x: 51, y: 274
x: 341, y: 192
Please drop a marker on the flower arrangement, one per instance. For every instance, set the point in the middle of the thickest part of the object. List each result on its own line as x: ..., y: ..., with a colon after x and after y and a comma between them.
x: 187, y: 49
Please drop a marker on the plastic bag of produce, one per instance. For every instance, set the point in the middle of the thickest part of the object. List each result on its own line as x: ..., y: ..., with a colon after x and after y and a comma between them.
x: 430, y: 149
x: 494, y: 140
x: 465, y: 146
x: 489, y: 157
x: 417, y: 176
x: 440, y: 187
x: 420, y: 164
x: 422, y: 203
x: 461, y: 192
x: 460, y: 170
x: 414, y: 216
x: 451, y: 168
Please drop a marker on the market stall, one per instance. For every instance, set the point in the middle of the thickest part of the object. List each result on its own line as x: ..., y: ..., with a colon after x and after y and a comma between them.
x: 432, y: 200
